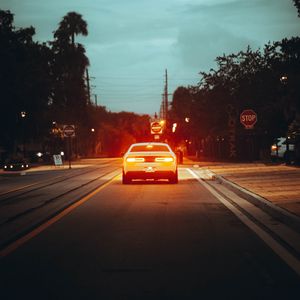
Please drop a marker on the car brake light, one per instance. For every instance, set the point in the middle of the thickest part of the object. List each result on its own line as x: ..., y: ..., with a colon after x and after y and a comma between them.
x: 164, y: 159
x: 135, y: 159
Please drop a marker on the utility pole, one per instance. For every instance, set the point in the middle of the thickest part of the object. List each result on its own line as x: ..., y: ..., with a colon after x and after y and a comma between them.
x: 88, y: 85
x: 96, y: 100
x: 166, y: 102
x: 162, y: 109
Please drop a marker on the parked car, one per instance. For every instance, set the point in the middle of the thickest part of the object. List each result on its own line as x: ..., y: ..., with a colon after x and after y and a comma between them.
x: 15, y: 165
x: 150, y: 161
x: 279, y: 148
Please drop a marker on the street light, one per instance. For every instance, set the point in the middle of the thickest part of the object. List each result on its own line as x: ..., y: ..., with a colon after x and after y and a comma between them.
x: 174, y: 127
x: 23, y: 115
x: 284, y: 81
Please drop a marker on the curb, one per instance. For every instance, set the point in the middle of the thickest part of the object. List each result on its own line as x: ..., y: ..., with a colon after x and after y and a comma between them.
x: 13, y: 173
x: 275, y: 211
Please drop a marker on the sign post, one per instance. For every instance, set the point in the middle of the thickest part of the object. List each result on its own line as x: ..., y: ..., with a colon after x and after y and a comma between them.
x: 248, y: 118
x: 69, y: 132
x: 57, y: 160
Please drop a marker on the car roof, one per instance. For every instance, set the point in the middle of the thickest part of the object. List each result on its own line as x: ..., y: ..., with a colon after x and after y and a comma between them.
x: 150, y: 143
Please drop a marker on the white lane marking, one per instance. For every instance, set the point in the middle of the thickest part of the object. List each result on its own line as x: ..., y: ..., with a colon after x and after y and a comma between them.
x: 282, y: 252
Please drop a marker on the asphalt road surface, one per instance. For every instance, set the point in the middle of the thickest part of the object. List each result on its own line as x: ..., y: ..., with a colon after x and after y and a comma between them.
x: 147, y: 240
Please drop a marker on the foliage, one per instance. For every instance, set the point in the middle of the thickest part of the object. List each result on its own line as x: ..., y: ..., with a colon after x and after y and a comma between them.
x: 25, y: 83
x: 247, y: 79
x: 47, y: 82
x: 297, y: 5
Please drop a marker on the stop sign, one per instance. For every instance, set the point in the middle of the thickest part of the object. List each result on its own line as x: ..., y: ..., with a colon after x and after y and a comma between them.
x: 69, y: 130
x: 248, y: 118
x: 156, y: 128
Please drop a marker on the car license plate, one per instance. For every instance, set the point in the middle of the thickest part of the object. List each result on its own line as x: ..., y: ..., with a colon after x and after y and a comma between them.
x: 149, y: 170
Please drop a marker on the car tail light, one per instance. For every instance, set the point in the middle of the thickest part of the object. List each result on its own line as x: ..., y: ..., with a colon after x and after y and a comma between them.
x: 135, y: 159
x: 164, y: 159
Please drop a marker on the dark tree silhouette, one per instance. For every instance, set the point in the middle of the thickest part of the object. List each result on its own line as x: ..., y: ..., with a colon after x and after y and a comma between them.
x: 25, y: 84
x: 69, y: 65
x: 297, y: 4
x: 71, y: 25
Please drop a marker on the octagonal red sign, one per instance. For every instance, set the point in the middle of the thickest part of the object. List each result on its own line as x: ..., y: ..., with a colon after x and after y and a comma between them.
x: 248, y: 118
x: 156, y: 128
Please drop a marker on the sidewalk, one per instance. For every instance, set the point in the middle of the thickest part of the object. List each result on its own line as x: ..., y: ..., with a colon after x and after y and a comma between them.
x: 278, y: 184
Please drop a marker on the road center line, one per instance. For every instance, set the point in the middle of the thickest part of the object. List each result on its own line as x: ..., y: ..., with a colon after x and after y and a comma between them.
x: 12, y: 247
x: 282, y: 252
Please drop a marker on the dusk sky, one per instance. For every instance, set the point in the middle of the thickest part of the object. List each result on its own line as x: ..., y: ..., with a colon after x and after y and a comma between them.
x: 131, y: 43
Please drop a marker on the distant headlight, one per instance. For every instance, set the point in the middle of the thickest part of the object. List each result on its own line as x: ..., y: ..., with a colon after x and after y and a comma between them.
x: 22, y: 166
x: 11, y: 166
x: 274, y: 148
x: 39, y: 154
x: 5, y: 167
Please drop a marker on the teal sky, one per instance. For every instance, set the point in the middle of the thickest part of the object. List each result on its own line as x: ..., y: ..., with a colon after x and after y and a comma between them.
x: 132, y: 42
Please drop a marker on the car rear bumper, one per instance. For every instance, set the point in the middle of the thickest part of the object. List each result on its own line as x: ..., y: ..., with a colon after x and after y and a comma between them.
x: 150, y: 167
x: 150, y: 175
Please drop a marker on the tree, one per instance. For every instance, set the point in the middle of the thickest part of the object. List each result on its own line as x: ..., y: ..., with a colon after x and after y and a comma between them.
x: 72, y: 24
x: 247, y: 79
x: 25, y: 84
x: 69, y: 103
x: 297, y: 4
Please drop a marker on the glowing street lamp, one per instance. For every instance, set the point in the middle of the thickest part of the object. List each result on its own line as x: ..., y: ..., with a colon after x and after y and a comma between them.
x: 174, y: 127
x: 284, y: 79
x: 23, y: 115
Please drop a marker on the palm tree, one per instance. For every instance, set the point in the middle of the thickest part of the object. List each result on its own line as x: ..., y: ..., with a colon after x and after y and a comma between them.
x: 72, y: 24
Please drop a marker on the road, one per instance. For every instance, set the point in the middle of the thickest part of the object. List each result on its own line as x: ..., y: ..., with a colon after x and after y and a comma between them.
x: 146, y: 240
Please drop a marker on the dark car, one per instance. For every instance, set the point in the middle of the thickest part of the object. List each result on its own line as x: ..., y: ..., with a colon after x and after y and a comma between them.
x: 15, y: 165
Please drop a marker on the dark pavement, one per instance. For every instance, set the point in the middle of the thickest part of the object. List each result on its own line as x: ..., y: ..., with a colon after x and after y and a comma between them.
x: 148, y: 241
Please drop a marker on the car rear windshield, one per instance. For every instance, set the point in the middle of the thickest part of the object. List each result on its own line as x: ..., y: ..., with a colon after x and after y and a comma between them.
x: 146, y: 148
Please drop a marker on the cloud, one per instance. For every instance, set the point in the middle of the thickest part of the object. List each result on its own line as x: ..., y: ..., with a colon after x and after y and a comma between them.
x: 201, y: 47
x: 209, y: 30
x: 132, y: 42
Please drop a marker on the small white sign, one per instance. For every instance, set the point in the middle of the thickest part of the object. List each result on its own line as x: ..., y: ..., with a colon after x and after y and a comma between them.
x: 57, y: 160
